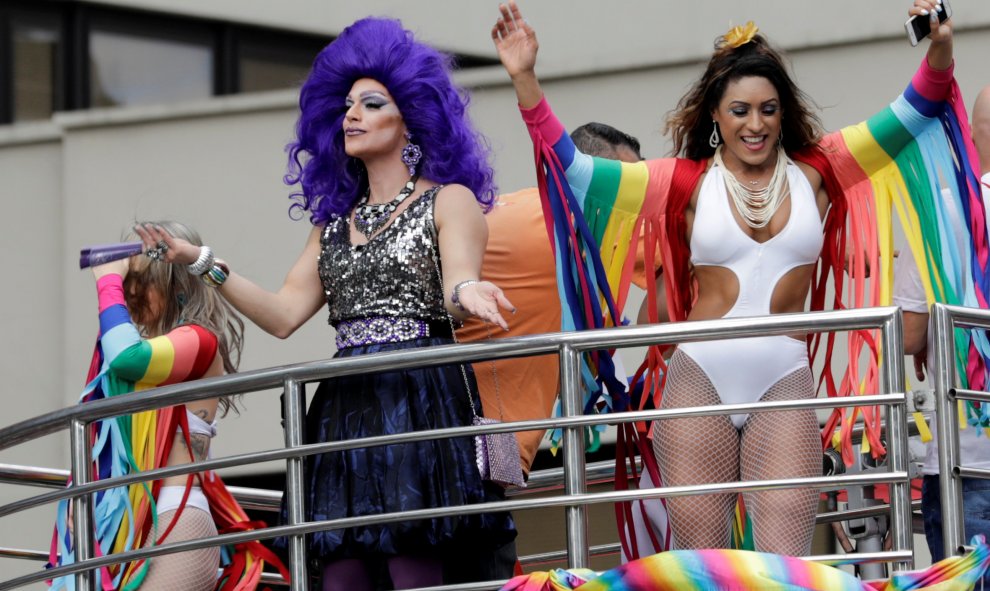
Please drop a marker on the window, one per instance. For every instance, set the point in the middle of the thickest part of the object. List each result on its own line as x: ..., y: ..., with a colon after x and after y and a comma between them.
x: 35, y: 51
x: 67, y: 55
x: 132, y: 63
x: 269, y: 64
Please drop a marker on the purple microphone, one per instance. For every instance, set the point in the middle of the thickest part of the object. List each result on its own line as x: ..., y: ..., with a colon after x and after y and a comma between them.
x: 92, y: 256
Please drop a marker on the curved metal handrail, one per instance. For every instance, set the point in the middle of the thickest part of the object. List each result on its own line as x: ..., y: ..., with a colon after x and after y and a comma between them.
x: 445, y: 433
x: 568, y: 346
x: 565, y: 500
x: 524, y: 346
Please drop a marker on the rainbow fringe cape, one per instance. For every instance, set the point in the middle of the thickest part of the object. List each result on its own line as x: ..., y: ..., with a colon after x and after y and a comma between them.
x: 730, y: 570
x: 125, y: 518
x: 601, y: 212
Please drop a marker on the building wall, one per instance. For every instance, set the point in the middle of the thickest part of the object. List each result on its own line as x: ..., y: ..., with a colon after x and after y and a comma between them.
x: 32, y: 313
x: 580, y: 35
x: 218, y: 165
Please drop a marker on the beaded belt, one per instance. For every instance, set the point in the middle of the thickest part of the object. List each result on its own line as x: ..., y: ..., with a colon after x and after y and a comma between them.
x: 386, y: 329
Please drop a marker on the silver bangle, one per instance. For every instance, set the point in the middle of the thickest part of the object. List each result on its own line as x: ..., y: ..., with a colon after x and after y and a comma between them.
x: 204, y: 263
x: 455, y: 296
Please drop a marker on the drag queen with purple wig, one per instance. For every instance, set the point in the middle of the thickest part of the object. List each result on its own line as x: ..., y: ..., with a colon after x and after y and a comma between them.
x: 395, y: 181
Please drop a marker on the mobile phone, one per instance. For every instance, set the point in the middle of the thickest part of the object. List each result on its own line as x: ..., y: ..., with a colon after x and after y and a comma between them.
x: 918, y: 26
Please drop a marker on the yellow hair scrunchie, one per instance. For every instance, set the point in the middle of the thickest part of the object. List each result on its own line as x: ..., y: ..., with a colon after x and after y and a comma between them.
x: 740, y: 35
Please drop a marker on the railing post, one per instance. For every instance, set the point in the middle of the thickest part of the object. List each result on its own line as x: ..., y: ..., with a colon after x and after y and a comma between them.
x: 82, y: 517
x: 293, y: 410
x: 571, y: 403
x: 947, y: 423
x: 892, y: 381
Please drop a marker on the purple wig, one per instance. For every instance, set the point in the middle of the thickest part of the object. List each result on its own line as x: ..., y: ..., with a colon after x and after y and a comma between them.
x: 433, y: 109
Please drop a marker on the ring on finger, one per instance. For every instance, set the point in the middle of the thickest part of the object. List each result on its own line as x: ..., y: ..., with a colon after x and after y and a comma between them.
x: 157, y: 253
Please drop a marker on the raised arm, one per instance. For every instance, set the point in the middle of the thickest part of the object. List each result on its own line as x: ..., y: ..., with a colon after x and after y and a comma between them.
x: 517, y: 46
x: 940, y: 48
x: 913, y: 112
x: 185, y: 353
x: 899, y: 161
x: 602, y: 187
x: 278, y: 313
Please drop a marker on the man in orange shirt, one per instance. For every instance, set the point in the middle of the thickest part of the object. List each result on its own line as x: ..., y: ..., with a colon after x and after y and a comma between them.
x: 519, y: 260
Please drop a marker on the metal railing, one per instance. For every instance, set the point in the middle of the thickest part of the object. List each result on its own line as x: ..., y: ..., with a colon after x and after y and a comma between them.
x: 945, y: 320
x: 539, y: 481
x: 575, y: 498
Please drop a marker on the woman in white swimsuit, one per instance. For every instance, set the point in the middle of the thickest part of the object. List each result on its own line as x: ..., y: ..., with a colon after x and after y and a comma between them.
x: 751, y: 220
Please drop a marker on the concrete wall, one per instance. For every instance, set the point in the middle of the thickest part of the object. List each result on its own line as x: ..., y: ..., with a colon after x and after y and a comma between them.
x: 32, y: 315
x: 585, y: 34
x: 218, y: 164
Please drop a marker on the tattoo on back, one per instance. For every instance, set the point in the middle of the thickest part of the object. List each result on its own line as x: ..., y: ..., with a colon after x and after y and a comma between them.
x: 200, y: 446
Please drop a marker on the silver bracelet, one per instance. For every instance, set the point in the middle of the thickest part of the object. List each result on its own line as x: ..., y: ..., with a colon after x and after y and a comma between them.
x: 455, y: 296
x: 204, y: 263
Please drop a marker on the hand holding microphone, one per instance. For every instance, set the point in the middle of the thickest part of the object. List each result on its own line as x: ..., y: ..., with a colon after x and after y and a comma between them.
x: 94, y: 256
x: 160, y: 246
x: 162, y: 242
x: 199, y: 260
x: 166, y: 248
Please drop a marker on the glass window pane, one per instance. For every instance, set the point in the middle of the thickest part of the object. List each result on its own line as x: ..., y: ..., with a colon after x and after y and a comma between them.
x: 268, y: 67
x: 130, y: 67
x: 35, y: 56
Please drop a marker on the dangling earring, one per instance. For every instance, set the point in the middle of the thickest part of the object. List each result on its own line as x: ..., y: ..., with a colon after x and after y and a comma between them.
x: 181, y: 300
x: 411, y: 154
x: 713, y: 139
x: 780, y: 138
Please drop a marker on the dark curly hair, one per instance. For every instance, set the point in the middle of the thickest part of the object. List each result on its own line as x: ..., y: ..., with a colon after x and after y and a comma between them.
x: 690, y: 123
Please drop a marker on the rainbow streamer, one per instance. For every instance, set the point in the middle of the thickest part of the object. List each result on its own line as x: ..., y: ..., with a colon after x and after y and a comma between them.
x: 582, y: 286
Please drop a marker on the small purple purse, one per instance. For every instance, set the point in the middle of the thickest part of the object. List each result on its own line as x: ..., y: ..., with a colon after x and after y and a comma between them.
x: 497, y: 455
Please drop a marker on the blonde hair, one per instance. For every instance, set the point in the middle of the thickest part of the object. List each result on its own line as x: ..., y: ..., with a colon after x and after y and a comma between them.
x: 186, y: 299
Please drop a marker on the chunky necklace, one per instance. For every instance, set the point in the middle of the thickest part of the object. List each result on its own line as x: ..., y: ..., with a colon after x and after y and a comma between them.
x: 757, y: 206
x: 368, y: 219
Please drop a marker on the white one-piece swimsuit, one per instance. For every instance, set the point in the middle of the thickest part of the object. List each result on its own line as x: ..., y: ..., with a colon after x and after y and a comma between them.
x: 742, y: 370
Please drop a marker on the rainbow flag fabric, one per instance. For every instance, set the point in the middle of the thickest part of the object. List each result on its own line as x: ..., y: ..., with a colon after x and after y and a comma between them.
x: 742, y: 570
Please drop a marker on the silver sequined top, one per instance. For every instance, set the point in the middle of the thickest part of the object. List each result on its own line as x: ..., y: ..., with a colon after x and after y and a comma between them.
x: 394, y: 274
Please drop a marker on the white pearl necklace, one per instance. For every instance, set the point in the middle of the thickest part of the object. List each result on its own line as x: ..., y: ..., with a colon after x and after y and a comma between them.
x: 757, y: 206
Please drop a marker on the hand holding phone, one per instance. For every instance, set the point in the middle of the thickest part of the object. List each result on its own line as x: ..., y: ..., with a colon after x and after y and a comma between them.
x: 919, y: 26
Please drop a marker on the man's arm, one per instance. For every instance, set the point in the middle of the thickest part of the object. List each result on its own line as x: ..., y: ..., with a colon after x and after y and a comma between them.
x: 915, y: 332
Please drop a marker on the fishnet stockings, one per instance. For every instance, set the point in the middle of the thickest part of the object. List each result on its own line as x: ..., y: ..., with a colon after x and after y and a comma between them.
x: 185, y: 571
x: 703, y: 450
x: 784, y: 444
x: 697, y: 450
